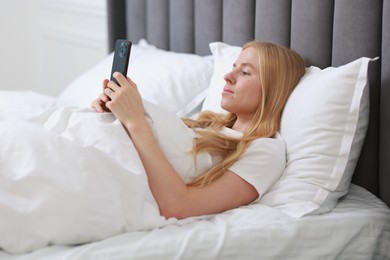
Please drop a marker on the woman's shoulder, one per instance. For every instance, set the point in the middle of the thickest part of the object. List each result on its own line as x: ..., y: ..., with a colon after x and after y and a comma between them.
x: 277, y: 138
x: 269, y: 143
x: 276, y: 142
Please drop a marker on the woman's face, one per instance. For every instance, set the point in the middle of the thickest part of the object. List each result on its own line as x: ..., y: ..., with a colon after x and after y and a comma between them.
x: 242, y: 92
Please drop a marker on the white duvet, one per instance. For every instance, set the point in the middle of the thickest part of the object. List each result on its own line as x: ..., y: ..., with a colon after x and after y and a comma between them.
x: 70, y: 176
x: 68, y: 201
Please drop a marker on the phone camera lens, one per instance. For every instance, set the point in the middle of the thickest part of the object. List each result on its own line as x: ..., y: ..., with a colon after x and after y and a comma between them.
x: 123, y: 49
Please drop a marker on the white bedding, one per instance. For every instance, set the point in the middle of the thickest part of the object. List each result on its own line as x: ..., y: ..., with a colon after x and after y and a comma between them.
x: 358, y: 228
x: 71, y: 176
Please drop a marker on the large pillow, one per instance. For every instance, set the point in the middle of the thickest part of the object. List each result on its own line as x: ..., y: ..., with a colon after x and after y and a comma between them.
x: 174, y: 81
x: 324, y: 125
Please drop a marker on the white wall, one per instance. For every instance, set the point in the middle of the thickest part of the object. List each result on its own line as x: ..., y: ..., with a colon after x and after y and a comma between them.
x: 47, y: 43
x: 15, y: 44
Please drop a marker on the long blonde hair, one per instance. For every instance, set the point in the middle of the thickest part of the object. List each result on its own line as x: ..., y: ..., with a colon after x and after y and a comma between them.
x: 280, y: 70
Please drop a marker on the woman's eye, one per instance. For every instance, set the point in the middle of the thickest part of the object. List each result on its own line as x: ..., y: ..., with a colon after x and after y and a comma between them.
x: 245, y: 73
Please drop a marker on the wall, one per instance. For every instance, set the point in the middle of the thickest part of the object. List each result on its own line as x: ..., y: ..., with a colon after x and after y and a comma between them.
x: 15, y: 44
x: 48, y: 43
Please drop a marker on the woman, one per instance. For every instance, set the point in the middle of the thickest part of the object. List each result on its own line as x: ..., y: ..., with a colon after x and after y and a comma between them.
x: 72, y: 176
x: 248, y: 153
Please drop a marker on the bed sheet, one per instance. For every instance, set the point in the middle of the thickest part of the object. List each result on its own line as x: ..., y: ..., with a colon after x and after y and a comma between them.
x: 358, y: 228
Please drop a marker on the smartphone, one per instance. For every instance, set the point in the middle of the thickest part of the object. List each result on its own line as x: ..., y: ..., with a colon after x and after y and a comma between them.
x: 121, y: 58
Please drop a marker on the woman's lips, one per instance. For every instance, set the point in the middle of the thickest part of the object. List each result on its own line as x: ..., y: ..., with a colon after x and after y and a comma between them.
x: 227, y: 91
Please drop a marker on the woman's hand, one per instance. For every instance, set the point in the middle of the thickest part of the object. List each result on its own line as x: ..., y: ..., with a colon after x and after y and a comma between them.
x: 99, y: 104
x: 123, y: 101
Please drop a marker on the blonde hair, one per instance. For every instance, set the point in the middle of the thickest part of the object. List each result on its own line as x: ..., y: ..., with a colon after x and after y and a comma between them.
x: 280, y: 70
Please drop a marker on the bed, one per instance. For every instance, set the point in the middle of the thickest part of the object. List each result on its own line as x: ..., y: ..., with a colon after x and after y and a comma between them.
x: 181, y: 50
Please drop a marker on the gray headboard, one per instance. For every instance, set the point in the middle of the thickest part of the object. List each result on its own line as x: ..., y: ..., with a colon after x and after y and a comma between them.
x: 324, y: 32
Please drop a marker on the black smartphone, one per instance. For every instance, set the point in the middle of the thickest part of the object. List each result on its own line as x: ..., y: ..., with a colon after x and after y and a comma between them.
x: 121, y: 58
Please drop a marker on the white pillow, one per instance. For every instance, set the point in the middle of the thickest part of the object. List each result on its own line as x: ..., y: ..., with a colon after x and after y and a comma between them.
x: 176, y: 82
x: 324, y: 125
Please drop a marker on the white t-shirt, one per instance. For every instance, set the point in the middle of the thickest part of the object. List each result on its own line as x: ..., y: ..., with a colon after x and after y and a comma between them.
x: 262, y: 163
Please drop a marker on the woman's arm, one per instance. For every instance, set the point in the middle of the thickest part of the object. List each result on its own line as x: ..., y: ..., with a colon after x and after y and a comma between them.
x: 173, y: 196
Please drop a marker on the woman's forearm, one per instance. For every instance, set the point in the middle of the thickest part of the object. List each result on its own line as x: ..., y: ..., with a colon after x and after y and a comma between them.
x: 172, y: 195
x: 168, y: 189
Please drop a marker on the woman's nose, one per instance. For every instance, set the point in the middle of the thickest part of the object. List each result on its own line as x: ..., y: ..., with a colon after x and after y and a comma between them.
x: 229, y: 77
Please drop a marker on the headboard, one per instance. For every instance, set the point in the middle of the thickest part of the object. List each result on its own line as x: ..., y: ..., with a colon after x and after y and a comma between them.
x: 325, y: 33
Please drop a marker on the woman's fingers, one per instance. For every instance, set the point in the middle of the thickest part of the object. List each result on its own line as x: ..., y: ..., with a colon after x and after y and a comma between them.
x: 122, y: 80
x: 107, y: 94
x: 99, y: 104
x: 104, y: 83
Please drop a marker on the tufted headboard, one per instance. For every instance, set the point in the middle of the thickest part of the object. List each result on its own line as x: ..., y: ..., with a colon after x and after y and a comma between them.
x: 325, y: 33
